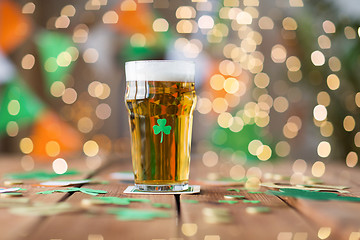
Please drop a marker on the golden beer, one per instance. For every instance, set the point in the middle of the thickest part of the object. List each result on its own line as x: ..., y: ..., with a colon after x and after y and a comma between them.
x: 160, y: 116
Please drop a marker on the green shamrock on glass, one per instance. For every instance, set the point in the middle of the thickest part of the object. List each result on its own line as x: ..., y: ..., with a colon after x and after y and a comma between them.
x: 162, y: 128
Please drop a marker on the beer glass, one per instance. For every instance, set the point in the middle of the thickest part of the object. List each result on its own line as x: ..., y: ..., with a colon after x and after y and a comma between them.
x: 160, y: 98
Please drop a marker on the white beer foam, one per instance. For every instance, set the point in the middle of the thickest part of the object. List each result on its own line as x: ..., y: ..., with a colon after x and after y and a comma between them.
x: 160, y: 70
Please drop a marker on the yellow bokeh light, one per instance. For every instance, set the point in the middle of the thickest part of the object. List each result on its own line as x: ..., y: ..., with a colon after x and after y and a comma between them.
x: 323, y: 98
x: 293, y: 64
x: 282, y: 149
x: 333, y: 82
x: 225, y: 120
x: 28, y: 8
x: 349, y: 123
x: 13, y: 107
x: 251, y: 3
x: 237, y: 124
x: 326, y: 129
x: 63, y: 59
x: 244, y: 18
x: 318, y: 169
x: 324, y: 232
x: 204, y: 105
x: 278, y: 53
x: 334, y: 64
x: 189, y: 229
x: 57, y: 89
x: 231, y: 3
x: 103, y: 111
x: 213, y: 237
x: 60, y: 166
x: 185, y: 12
x: 357, y: 99
x: 69, y: 96
x: 50, y: 65
x: 186, y: 26
x: 68, y: 10
x: 357, y: 139
x: 281, y: 104
x: 110, y: 17
x: 352, y: 159
x: 324, y: 149
x: 296, y: 3
x: 289, y: 23
x: 80, y: 34
x: 52, y: 148
x: 210, y: 159
x: 28, y: 61
x: 264, y: 153
x: 317, y: 58
x: 85, y: 125
x: 254, y: 147
x: 90, y: 55
x: 220, y: 105
x: 160, y: 25
x: 206, y: 22
x: 91, y: 148
x: 253, y: 183
x: 320, y: 112
x: 329, y: 27
x: 295, y: 76
x: 231, y: 85
x: 349, y: 32
x: 26, y: 145
x: 62, y: 22
x: 299, y: 166
x: 324, y: 42
x: 138, y: 40
x: 128, y: 5
x: 266, y: 23
x: 12, y: 128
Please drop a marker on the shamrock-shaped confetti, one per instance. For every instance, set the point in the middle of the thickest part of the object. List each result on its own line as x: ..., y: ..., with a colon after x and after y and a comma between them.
x: 76, y: 189
x: 161, y: 205
x: 128, y: 214
x: 313, y: 195
x: 251, y: 201
x: 233, y: 189
x: 161, y: 128
x: 41, y: 175
x: 228, y: 201
x: 120, y: 201
x: 189, y: 201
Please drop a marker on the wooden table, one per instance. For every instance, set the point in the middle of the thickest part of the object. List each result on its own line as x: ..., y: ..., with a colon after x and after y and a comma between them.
x: 289, y: 218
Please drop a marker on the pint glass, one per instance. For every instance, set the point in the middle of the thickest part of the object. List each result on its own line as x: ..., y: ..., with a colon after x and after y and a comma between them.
x: 160, y: 98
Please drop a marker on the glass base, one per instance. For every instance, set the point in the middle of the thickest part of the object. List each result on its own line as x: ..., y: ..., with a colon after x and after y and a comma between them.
x: 162, y: 188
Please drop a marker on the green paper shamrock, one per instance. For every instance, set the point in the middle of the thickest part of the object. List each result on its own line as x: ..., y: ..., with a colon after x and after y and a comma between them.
x: 233, y: 189
x: 161, y: 128
x: 313, y: 195
x: 251, y: 201
x: 41, y: 175
x: 161, y: 205
x: 127, y: 214
x: 88, y: 191
x: 189, y: 201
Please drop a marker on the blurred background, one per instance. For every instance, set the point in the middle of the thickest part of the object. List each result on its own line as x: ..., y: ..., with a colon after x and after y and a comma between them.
x: 276, y: 79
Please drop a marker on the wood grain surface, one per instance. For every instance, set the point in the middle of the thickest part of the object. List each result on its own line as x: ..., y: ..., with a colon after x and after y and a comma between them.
x: 289, y: 218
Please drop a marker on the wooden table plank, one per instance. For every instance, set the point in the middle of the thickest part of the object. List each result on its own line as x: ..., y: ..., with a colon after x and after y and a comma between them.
x: 340, y: 216
x: 83, y: 225
x: 282, y: 218
x: 18, y: 227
